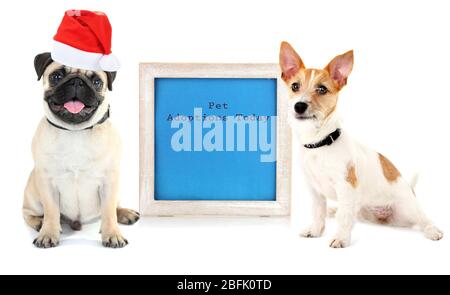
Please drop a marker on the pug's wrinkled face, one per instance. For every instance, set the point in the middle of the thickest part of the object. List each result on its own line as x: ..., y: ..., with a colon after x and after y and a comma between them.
x: 72, y: 96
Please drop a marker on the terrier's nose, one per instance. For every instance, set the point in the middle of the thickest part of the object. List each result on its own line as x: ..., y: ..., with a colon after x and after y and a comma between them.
x: 300, y: 107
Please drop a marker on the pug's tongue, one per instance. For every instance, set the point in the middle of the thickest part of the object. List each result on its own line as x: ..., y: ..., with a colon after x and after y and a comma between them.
x: 74, y: 106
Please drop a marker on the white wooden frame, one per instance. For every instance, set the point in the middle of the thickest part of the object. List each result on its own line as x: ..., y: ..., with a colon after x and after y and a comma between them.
x: 151, y: 207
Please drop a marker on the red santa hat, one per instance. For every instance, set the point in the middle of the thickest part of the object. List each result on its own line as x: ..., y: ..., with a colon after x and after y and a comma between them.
x: 83, y: 40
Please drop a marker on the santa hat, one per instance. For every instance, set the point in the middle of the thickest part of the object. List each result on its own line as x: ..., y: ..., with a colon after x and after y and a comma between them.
x: 83, y: 40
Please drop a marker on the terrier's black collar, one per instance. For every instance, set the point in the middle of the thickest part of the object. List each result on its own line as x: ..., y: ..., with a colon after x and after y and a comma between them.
x: 102, y: 120
x: 332, y: 137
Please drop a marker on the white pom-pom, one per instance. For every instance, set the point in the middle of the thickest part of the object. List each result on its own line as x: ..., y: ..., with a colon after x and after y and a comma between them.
x: 109, y: 63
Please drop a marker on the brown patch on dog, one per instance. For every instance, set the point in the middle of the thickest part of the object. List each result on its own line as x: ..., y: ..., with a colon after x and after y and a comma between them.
x: 351, y: 176
x: 390, y: 172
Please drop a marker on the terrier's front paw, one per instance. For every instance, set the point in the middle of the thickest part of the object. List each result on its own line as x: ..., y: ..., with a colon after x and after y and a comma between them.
x: 114, y: 240
x: 313, y: 231
x: 339, y: 243
x: 433, y: 233
x: 47, y: 239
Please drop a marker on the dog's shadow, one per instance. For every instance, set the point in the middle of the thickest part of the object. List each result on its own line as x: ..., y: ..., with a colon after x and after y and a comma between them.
x: 80, y: 242
x: 67, y: 237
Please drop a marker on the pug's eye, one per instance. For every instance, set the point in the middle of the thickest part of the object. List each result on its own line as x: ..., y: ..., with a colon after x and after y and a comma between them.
x: 55, y: 77
x: 97, y: 83
x: 295, y: 86
x: 322, y: 90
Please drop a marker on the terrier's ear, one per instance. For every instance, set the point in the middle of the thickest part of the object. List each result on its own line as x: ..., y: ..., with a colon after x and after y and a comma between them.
x: 340, y: 68
x: 111, y: 77
x: 41, y: 62
x: 290, y: 61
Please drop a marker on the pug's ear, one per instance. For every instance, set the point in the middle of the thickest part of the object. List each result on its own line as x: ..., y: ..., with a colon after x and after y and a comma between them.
x: 111, y: 77
x: 41, y: 62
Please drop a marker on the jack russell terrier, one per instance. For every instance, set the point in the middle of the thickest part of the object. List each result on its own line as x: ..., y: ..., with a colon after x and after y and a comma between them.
x: 364, y: 183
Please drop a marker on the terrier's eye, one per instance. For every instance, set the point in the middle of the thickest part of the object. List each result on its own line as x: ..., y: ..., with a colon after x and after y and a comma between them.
x: 295, y: 86
x: 322, y: 90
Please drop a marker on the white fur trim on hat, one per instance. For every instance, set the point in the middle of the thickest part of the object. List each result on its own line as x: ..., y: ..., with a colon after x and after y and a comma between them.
x: 76, y: 58
x: 109, y: 63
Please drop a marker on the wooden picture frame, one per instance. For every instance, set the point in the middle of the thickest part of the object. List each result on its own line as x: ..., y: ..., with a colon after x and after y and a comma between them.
x: 150, y: 206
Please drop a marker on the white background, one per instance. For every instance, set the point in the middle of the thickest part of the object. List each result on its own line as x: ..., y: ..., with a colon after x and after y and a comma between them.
x: 397, y: 101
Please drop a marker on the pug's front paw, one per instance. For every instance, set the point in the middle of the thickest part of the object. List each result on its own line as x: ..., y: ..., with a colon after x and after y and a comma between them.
x: 113, y: 240
x: 47, y: 239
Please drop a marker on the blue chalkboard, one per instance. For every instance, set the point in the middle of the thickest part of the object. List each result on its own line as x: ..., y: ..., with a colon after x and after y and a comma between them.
x: 215, y: 139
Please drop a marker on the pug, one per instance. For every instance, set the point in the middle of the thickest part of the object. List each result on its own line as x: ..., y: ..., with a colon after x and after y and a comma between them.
x: 76, y: 151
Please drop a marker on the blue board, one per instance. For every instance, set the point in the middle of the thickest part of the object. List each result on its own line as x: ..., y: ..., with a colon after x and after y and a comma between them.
x: 215, y: 139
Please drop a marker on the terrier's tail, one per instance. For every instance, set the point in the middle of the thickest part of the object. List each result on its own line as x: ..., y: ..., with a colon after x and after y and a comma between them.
x: 414, y: 180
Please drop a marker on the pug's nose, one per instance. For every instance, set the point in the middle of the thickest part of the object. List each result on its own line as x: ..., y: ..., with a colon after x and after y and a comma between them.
x: 300, y: 107
x: 77, y: 82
